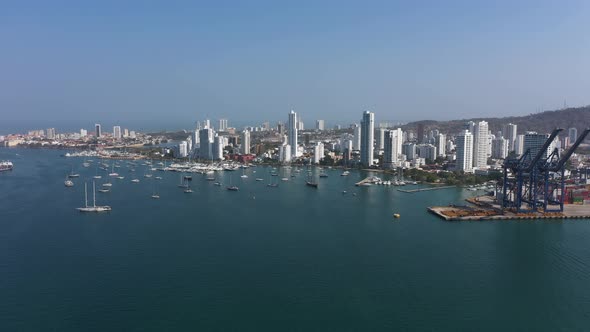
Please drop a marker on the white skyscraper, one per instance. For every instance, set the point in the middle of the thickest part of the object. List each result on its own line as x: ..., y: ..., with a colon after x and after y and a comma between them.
x: 83, y: 132
x: 509, y: 133
x: 318, y: 152
x: 518, y: 145
x: 319, y: 125
x: 572, y: 133
x: 222, y: 125
x: 391, y: 152
x: 182, y: 149
x: 381, y: 139
x: 441, y: 144
x: 285, y: 153
x: 218, y: 145
x: 246, y: 142
x: 206, y: 137
x: 292, y: 133
x: 480, y: 144
x: 464, y: 150
x: 356, y: 142
x: 117, y: 132
x: 500, y: 148
x: 367, y: 138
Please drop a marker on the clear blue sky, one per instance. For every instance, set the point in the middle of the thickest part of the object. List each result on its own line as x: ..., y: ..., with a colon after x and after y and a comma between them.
x: 170, y: 63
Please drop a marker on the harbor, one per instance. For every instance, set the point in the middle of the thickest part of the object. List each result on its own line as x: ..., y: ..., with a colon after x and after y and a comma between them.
x: 483, y: 208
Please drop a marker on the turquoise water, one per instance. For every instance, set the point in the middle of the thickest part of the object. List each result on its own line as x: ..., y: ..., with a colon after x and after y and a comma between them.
x: 271, y: 259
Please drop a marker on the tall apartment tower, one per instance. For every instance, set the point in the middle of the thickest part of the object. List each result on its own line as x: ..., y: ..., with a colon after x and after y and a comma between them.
x: 319, y: 125
x: 391, y: 151
x: 509, y: 133
x: 97, y: 130
x: 464, y: 150
x: 367, y: 138
x: 292, y: 133
x: 572, y: 133
x: 480, y: 144
x: 246, y: 142
x: 117, y: 132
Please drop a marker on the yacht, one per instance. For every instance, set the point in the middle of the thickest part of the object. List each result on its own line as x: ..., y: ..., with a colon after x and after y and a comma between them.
x: 68, y: 183
x: 94, y: 207
x: 233, y: 188
x: 345, y: 173
x: 135, y: 180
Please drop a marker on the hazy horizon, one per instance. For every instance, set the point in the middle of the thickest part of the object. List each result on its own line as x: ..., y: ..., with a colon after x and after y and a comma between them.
x: 168, y: 65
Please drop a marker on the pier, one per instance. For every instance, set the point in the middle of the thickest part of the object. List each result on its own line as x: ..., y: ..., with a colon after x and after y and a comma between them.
x: 483, y: 208
x: 409, y: 191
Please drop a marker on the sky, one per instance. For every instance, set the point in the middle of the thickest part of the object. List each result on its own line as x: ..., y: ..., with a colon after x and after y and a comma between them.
x: 168, y: 64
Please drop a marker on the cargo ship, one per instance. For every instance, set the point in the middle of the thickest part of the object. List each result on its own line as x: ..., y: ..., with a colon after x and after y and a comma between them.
x: 5, y: 166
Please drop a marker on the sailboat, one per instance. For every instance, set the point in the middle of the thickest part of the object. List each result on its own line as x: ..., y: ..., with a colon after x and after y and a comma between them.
x: 244, y: 176
x: 155, y: 192
x: 188, y: 189
x: 309, y: 182
x: 232, y: 188
x: 182, y: 183
x: 72, y: 174
x: 270, y: 183
x: 97, y: 176
x: 94, y: 207
x: 113, y: 173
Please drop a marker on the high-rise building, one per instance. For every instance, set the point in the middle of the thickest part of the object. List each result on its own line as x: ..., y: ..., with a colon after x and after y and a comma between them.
x: 409, y: 150
x: 572, y: 133
x: 222, y: 125
x: 207, y: 124
x: 285, y: 153
x: 318, y: 152
x: 319, y: 125
x: 420, y: 133
x: 367, y: 138
x: 534, y: 142
x: 246, y: 142
x: 292, y: 133
x: 480, y: 144
x: 426, y: 151
x: 83, y: 132
x: 117, y: 132
x: 50, y: 133
x: 380, y: 139
x: 206, y: 137
x: 97, y: 130
x: 125, y: 132
x: 390, y: 149
x: 500, y: 148
x: 441, y: 144
x: 182, y: 149
x: 356, y: 141
x: 281, y: 128
x: 509, y: 133
x: 464, y: 150
x: 519, y: 145
x: 219, y: 142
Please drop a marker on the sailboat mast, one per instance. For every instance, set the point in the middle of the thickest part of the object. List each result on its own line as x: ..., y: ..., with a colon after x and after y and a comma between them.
x: 93, y: 194
x: 85, y: 194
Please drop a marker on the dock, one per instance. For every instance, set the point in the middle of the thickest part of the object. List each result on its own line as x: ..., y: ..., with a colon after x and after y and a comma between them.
x: 370, y: 180
x: 409, y: 191
x: 483, y: 208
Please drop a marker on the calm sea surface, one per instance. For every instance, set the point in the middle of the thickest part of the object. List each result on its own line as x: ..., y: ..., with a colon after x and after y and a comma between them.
x: 271, y: 259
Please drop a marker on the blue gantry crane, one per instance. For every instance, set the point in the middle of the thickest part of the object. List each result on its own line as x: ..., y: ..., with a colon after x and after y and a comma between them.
x: 537, y: 183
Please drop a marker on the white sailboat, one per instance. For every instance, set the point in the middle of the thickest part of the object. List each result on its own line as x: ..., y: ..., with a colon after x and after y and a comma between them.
x: 94, y: 207
x: 155, y: 194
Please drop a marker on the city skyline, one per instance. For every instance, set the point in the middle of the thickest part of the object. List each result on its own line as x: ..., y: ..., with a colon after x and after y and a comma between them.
x: 158, y: 65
